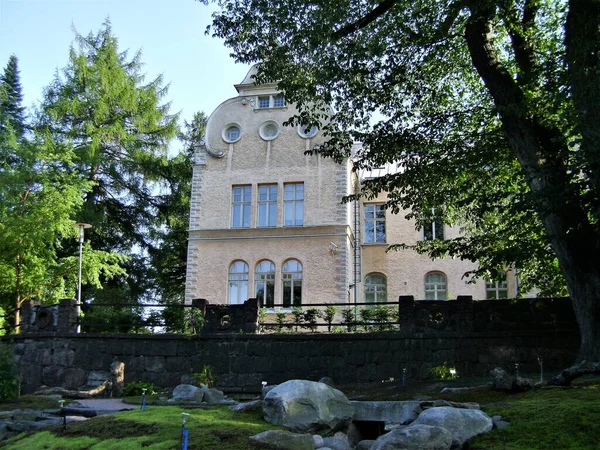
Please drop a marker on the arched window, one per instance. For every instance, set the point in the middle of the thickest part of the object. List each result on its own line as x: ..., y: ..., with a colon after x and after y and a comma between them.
x: 238, y: 283
x: 436, y: 286
x: 375, y: 288
x: 264, y: 280
x: 292, y: 283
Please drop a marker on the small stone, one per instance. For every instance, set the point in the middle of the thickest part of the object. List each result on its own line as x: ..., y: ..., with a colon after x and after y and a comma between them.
x: 501, y: 425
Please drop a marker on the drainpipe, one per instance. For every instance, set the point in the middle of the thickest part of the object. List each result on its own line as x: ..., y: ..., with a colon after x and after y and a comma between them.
x: 357, y: 233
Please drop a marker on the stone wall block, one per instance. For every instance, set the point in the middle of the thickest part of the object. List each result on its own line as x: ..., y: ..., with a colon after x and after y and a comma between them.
x: 53, y: 375
x: 63, y: 357
x: 154, y: 364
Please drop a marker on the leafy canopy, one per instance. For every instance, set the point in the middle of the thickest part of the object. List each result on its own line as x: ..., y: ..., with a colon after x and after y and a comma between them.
x: 401, y: 79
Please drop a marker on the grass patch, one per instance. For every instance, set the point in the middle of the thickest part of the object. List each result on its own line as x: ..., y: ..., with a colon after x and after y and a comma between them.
x: 157, y: 428
x: 559, y: 418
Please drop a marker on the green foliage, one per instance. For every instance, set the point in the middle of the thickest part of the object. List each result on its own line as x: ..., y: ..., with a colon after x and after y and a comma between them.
x: 205, y: 377
x: 329, y: 315
x: 9, y: 379
x: 444, y: 372
x: 349, y: 319
x: 310, y: 316
x: 485, y: 111
x: 297, y: 317
x: 135, y: 388
x: 280, y: 320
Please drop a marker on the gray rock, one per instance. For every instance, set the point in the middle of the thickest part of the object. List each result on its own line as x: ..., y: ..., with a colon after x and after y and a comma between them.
x: 439, y: 403
x: 318, y: 441
x: 337, y: 442
x: 463, y: 424
x: 395, y: 412
x: 307, y: 407
x: 247, y: 406
x: 364, y: 445
x: 187, y: 393
x: 25, y: 415
x: 502, y: 381
x: 325, y: 448
x: 284, y: 440
x: 501, y: 425
x: 328, y: 381
x: 414, y: 437
x: 212, y: 396
x: 448, y: 390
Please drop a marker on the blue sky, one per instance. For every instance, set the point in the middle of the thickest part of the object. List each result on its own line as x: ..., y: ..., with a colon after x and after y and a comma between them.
x: 170, y: 34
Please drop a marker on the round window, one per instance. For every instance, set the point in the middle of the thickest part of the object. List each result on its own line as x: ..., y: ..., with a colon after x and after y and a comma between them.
x: 269, y: 130
x: 232, y: 133
x: 306, y: 132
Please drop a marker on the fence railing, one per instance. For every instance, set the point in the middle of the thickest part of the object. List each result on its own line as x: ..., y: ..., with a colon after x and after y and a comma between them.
x: 462, y: 314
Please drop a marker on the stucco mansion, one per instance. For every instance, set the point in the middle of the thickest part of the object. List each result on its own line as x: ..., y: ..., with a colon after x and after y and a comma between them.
x: 267, y: 221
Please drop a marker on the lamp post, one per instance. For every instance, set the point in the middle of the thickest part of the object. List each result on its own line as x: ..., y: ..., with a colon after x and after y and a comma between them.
x: 81, y: 226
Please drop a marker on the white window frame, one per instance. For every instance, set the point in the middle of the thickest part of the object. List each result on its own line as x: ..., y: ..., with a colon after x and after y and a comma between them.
x: 225, y: 134
x: 272, y: 99
x: 376, y: 285
x: 436, y: 228
x: 312, y: 131
x: 264, y: 276
x: 269, y: 204
x: 241, y: 208
x: 372, y: 219
x: 291, y: 279
x: 436, y: 289
x: 494, y: 289
x: 262, y: 130
x: 237, y: 286
x: 293, y: 205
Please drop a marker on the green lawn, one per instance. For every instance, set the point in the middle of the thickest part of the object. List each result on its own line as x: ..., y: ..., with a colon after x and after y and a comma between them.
x: 157, y: 428
x: 548, y: 419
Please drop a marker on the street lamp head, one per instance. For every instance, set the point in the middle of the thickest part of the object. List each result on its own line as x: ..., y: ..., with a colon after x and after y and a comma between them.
x: 81, y: 225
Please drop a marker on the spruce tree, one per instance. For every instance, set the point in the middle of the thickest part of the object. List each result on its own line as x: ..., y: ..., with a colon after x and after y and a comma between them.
x: 11, y: 102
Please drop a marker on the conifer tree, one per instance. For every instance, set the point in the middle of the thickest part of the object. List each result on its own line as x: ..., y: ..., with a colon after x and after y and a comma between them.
x: 11, y: 102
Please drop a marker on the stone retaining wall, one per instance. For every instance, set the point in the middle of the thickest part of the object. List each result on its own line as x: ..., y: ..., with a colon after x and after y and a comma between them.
x: 242, y: 362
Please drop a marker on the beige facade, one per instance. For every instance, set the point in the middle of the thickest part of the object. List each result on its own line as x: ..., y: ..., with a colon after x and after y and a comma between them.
x: 268, y: 220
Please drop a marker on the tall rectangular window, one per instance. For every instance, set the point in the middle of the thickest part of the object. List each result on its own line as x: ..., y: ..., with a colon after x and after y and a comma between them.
x: 434, y: 229
x: 264, y: 102
x: 240, y: 206
x: 267, y: 205
x: 293, y: 204
x: 374, y: 224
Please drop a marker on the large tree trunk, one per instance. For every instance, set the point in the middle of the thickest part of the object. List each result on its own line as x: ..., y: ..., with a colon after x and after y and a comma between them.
x: 540, y: 149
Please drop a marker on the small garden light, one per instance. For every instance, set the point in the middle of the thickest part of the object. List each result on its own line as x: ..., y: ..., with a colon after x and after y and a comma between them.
x: 184, y: 431
x: 541, y: 363
x: 517, y: 369
x: 404, y: 377
x: 453, y: 372
x: 144, y: 399
x: 61, y: 402
x: 264, y: 383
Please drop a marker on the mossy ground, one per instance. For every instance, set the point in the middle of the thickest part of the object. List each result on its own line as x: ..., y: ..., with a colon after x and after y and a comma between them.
x: 558, y: 418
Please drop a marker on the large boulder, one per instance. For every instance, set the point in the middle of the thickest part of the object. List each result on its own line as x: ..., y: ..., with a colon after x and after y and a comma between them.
x: 187, y: 393
x: 414, y: 437
x: 503, y: 381
x: 284, y: 440
x: 463, y: 424
x: 212, y: 396
x: 307, y: 407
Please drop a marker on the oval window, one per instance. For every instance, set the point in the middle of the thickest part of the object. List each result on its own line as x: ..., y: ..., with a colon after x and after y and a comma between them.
x: 306, y: 132
x: 232, y: 133
x: 269, y: 130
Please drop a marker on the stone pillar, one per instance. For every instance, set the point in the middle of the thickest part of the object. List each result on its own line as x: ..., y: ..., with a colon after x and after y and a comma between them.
x: 406, y: 312
x: 67, y: 316
x: 117, y: 378
x: 251, y: 315
x: 25, y: 320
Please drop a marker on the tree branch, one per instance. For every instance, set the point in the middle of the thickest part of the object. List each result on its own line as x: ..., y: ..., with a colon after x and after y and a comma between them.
x: 518, y: 32
x: 372, y: 16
